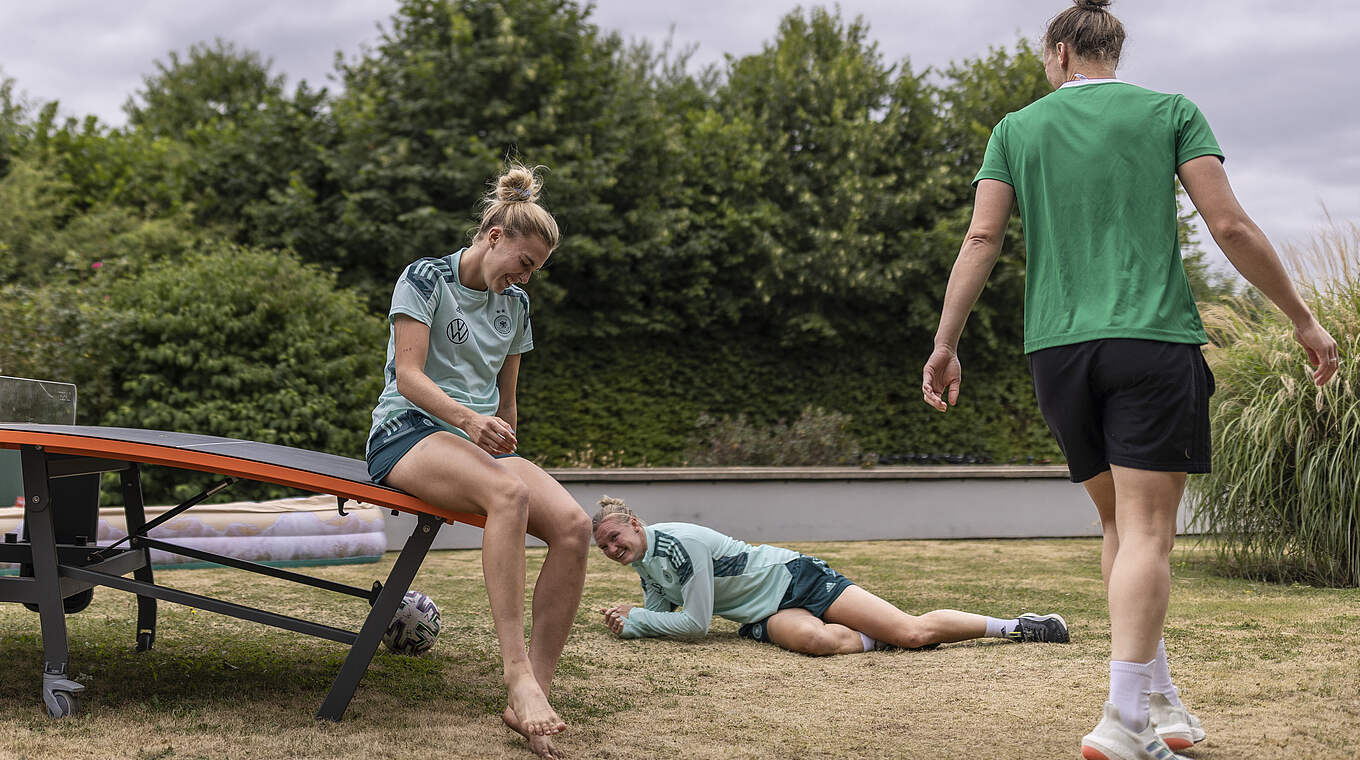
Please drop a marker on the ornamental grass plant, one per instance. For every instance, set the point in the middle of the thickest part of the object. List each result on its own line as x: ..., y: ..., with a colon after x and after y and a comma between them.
x: 1284, y: 497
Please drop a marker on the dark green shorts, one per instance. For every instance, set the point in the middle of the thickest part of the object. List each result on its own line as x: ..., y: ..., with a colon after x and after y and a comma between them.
x: 397, y: 437
x: 813, y: 587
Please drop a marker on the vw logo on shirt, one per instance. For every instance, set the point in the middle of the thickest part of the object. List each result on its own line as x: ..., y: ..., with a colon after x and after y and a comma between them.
x: 458, y: 331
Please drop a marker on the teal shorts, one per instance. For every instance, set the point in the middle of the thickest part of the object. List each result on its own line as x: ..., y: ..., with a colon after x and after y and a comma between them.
x: 399, y: 436
x: 813, y: 587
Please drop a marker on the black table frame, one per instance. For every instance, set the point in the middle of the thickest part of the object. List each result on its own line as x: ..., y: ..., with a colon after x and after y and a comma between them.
x: 61, y: 570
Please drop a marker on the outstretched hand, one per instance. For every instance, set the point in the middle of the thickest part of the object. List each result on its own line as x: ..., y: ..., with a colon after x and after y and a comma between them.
x: 615, y: 616
x: 940, y: 379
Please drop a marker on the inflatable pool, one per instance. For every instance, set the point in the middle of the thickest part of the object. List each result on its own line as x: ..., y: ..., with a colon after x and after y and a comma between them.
x: 305, y: 531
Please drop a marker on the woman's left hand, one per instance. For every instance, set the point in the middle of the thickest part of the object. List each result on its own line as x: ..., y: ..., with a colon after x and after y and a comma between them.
x: 615, y: 616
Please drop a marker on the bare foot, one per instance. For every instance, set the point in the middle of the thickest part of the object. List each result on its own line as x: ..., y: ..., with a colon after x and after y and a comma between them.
x: 536, y: 716
x: 541, y: 746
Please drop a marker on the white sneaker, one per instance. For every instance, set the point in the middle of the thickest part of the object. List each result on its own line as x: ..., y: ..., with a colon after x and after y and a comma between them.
x: 1176, y: 725
x: 1111, y: 740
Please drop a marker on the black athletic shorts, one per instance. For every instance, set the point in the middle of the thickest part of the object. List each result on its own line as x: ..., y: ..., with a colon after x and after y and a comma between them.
x: 813, y: 586
x: 1142, y: 404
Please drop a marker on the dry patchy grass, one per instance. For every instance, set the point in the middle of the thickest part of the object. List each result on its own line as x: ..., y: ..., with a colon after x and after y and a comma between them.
x: 1272, y: 670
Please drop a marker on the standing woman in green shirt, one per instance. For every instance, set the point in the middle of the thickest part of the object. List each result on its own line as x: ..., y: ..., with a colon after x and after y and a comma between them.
x: 1112, y: 330
x: 444, y: 431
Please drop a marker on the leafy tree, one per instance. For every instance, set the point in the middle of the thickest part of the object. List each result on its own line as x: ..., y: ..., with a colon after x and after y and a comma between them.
x: 117, y: 167
x: 13, y: 123
x: 264, y: 177
x: 215, y: 84
x: 452, y: 90
x: 35, y: 204
x: 816, y: 98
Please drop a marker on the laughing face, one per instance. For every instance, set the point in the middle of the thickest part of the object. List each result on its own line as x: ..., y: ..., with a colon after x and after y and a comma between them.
x: 513, y: 259
x: 623, y: 541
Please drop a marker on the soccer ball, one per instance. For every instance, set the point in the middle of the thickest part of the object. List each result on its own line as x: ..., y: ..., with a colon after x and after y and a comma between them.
x: 415, y: 626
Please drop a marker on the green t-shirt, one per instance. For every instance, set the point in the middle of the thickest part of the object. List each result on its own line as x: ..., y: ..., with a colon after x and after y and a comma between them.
x: 471, y: 333
x: 1094, y: 165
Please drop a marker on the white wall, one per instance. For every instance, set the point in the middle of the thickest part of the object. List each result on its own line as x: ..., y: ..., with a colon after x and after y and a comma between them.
x: 767, y: 505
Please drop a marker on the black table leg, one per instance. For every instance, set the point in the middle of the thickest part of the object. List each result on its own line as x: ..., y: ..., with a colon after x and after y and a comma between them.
x: 135, y: 512
x: 384, y: 607
x: 59, y: 693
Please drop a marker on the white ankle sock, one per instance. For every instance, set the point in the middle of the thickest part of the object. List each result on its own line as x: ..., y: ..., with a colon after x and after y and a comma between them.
x: 1161, y: 677
x: 1129, y: 685
x: 868, y: 643
x: 1000, y: 629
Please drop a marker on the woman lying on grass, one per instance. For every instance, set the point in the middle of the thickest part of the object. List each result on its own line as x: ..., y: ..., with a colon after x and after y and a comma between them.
x: 778, y: 595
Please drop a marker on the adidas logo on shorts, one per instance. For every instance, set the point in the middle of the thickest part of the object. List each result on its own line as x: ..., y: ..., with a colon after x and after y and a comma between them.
x: 830, y: 586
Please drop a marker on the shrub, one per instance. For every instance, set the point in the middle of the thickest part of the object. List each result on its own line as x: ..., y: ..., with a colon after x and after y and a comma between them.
x: 242, y: 343
x: 1284, y: 497
x: 817, y: 437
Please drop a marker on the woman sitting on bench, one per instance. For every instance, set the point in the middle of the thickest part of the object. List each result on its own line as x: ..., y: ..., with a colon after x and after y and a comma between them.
x: 444, y: 431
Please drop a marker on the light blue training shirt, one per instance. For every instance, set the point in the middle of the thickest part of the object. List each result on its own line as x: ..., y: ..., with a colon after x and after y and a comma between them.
x: 705, y: 573
x: 471, y: 333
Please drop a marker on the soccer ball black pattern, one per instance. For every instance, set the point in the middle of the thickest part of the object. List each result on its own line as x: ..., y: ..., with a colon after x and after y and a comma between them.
x: 415, y: 626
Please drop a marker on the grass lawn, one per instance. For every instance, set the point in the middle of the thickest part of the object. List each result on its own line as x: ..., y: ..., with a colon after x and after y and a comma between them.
x: 1274, y: 671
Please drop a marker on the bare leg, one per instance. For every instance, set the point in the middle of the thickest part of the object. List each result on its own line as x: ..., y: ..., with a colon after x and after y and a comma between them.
x: 875, y: 617
x: 1101, y: 490
x: 448, y: 471
x: 798, y: 630
x: 1140, y: 575
x: 556, y: 519
x: 559, y: 521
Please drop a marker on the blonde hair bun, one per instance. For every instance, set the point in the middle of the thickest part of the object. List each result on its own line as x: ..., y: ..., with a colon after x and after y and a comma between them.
x: 612, y: 509
x: 512, y: 204
x: 519, y: 184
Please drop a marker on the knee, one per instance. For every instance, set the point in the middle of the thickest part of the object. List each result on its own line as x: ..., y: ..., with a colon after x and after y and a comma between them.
x: 1148, y: 541
x: 571, y: 533
x: 917, y: 633
x: 825, y: 641
x: 509, y: 497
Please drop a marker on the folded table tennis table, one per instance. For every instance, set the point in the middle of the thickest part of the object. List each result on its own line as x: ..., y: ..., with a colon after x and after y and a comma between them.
x: 61, y: 565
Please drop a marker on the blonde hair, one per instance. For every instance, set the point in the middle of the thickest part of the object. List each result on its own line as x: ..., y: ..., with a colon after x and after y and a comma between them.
x: 612, y: 509
x: 1089, y: 29
x: 512, y: 204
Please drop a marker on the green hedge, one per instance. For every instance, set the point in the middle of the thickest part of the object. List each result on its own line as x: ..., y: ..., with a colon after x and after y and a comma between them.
x: 643, y: 398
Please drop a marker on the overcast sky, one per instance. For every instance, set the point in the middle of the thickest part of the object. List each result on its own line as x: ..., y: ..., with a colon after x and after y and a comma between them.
x: 1276, y: 80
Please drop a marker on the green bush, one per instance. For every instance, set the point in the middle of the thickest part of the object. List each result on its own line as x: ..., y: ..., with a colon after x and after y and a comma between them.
x: 817, y: 437
x: 242, y: 343
x: 1284, y: 497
